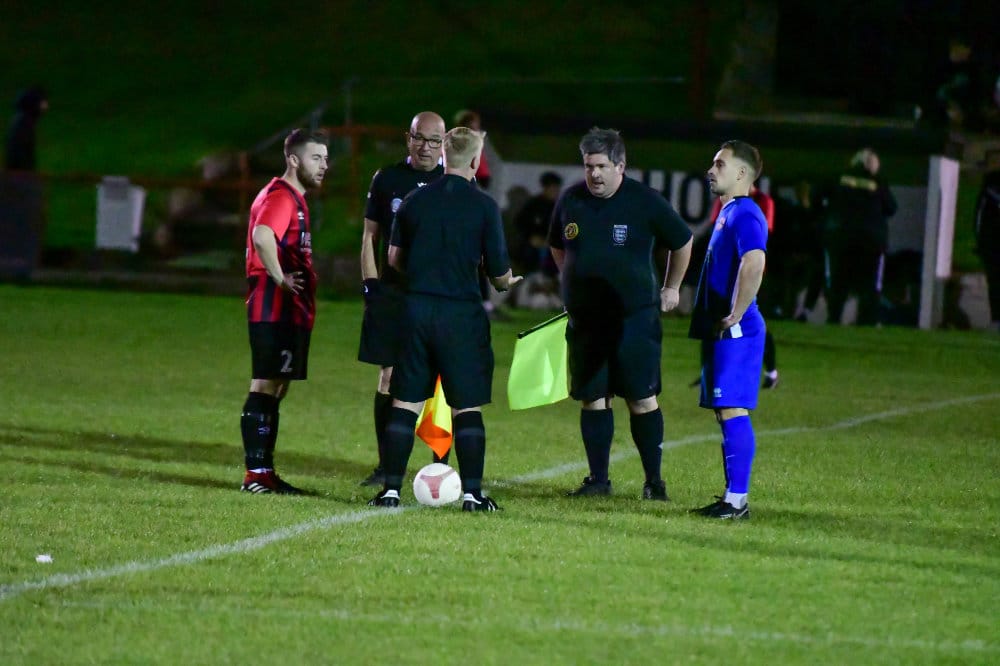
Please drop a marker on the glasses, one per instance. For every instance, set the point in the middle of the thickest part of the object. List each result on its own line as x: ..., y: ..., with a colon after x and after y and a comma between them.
x: 430, y: 141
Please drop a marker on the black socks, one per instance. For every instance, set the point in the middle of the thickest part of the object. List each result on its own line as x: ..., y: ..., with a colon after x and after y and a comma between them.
x: 597, y: 428
x: 382, y: 409
x: 259, y: 426
x: 647, y: 433
x: 399, y: 434
x: 470, y: 449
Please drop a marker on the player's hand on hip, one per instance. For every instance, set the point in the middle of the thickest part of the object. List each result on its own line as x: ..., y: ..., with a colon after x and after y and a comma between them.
x: 670, y: 298
x: 293, y: 282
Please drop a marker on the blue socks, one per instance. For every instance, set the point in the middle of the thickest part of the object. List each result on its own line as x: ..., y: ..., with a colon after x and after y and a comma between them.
x: 738, y: 448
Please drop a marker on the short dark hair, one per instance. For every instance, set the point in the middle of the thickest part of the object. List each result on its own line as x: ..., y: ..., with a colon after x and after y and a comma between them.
x: 744, y: 151
x: 302, y: 136
x: 606, y: 141
x: 550, y: 178
x: 465, y: 118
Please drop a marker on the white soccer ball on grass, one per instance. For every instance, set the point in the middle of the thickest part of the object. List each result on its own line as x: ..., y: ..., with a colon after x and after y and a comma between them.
x: 437, y: 484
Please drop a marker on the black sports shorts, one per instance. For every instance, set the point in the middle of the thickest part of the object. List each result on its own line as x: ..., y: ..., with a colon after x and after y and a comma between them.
x: 449, y: 338
x: 382, y: 328
x: 611, y: 356
x: 279, y: 350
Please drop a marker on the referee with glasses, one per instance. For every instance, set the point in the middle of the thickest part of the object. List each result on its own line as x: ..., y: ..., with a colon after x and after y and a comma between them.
x: 441, y: 235
x: 382, y: 327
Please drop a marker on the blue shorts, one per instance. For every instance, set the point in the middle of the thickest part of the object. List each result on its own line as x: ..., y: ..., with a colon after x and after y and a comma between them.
x: 730, y: 371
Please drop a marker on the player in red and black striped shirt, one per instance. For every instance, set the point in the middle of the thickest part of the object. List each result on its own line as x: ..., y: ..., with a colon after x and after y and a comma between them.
x: 281, y: 301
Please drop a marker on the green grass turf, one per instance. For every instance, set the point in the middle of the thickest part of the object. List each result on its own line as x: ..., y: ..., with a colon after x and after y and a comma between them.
x: 872, y: 538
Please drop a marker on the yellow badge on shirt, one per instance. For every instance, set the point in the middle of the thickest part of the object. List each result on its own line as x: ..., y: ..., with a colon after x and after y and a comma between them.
x: 571, y: 231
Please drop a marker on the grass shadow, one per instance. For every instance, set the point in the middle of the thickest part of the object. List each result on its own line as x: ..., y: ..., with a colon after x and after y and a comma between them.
x: 158, y: 450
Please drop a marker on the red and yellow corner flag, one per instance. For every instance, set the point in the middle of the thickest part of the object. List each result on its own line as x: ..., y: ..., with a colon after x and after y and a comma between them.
x: 434, y: 424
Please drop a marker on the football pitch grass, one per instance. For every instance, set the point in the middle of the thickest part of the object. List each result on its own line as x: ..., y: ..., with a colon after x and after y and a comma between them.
x: 873, y: 538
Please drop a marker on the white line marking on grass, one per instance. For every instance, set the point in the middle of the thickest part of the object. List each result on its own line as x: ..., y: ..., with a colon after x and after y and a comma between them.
x: 715, y: 437
x: 236, y: 548
x: 11, y: 590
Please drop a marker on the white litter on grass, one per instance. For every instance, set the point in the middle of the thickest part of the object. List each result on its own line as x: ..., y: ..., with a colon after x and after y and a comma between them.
x: 43, y: 558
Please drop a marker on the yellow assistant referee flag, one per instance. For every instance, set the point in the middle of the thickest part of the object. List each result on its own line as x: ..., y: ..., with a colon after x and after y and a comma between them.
x: 538, y: 372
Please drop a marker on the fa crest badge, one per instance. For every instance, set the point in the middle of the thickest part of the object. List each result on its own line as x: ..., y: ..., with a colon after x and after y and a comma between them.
x: 395, y: 204
x: 571, y: 231
x: 619, y: 233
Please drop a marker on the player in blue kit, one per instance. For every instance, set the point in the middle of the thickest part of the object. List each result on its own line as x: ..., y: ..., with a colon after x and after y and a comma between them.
x: 726, y: 320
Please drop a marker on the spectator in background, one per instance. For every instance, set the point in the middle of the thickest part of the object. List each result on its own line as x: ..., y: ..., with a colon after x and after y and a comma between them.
x: 531, y: 248
x: 21, y: 204
x: 856, y: 236
x: 799, y: 243
x: 532, y: 227
x: 960, y: 100
x: 988, y: 240
x: 471, y: 119
x: 29, y: 107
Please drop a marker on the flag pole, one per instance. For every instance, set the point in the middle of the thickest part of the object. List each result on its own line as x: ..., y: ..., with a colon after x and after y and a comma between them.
x: 545, y: 323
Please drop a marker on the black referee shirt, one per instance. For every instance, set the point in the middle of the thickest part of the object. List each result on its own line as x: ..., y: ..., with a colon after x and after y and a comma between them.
x: 389, y: 187
x: 446, y: 229
x: 609, y: 242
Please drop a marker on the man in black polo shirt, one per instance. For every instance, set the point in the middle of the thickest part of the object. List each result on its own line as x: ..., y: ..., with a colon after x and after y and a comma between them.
x: 441, y: 234
x: 602, y: 237
x: 382, y: 328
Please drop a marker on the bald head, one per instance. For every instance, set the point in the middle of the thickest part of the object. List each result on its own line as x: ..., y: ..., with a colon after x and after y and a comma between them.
x: 427, y: 120
x: 424, y: 140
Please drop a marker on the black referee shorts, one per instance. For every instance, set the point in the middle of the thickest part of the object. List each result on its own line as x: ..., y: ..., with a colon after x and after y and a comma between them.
x: 448, y: 338
x: 279, y: 350
x: 382, y: 328
x: 613, y: 356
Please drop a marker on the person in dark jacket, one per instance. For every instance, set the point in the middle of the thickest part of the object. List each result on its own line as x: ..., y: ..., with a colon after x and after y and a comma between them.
x: 988, y: 240
x: 20, y: 146
x: 856, y: 236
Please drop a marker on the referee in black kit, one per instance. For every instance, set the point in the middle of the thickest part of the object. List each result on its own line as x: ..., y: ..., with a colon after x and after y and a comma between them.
x: 602, y: 237
x: 381, y: 329
x: 441, y: 234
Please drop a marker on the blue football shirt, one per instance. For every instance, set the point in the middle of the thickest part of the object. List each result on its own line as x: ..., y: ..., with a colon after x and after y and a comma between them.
x: 739, y: 228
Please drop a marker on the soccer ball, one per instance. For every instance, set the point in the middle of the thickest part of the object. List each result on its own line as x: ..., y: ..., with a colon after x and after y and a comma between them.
x: 437, y: 484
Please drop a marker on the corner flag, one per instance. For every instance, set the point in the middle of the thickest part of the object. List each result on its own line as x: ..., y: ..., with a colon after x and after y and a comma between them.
x: 538, y: 372
x: 434, y: 424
